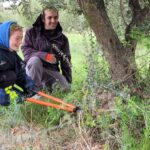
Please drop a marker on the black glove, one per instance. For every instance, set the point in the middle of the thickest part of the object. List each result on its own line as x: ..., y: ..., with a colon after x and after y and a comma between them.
x: 30, y: 88
x: 31, y: 91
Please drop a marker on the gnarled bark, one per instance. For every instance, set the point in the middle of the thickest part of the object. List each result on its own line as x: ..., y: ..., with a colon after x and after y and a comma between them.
x: 121, y: 59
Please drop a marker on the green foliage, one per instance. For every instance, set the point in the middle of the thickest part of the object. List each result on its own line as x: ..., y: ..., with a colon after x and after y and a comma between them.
x: 70, y: 6
x: 128, y: 124
x: 119, y: 15
x: 142, y: 36
x: 28, y: 10
x: 134, y: 123
x: 144, y: 3
x: 75, y: 24
x: 11, y: 116
x: 53, y: 3
x: 12, y: 94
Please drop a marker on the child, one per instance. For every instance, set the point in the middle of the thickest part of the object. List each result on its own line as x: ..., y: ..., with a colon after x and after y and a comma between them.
x: 11, y: 70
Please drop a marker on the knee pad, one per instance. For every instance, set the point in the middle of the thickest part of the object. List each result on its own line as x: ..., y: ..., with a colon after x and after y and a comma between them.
x: 4, y: 98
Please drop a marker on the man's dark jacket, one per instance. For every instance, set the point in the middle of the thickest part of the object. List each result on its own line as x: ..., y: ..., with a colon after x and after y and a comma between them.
x: 38, y: 42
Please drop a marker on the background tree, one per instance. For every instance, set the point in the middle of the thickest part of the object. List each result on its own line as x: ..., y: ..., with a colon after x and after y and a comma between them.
x: 120, y: 57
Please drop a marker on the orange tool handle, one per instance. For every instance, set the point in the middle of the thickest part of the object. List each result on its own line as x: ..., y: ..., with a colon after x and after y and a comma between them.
x: 50, y: 104
x: 56, y: 99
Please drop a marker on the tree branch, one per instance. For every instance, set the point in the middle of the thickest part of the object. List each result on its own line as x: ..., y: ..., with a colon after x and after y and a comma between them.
x: 138, y: 17
x: 121, y: 10
x: 149, y: 3
x: 95, y: 12
x: 135, y: 6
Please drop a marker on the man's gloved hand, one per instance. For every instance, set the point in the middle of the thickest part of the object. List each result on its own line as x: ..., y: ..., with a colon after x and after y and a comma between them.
x: 30, y: 88
x: 50, y: 58
x: 31, y: 91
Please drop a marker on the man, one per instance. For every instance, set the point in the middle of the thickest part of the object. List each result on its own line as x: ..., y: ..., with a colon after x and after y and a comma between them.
x: 46, y: 51
x: 11, y: 71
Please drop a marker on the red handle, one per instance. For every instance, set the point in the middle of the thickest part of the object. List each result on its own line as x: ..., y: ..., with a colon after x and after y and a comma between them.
x: 50, y: 105
x: 56, y: 99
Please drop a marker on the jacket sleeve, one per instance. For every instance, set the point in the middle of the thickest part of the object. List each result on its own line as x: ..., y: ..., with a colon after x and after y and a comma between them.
x: 28, y: 48
x: 65, y: 61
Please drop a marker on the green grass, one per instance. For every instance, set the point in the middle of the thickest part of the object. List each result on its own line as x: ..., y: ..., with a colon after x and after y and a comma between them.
x: 143, y: 57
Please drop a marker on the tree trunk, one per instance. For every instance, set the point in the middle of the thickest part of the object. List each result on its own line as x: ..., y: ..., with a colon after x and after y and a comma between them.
x: 122, y: 66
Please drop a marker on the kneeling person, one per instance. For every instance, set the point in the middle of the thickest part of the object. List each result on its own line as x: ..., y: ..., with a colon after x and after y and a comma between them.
x: 47, y: 53
x: 11, y: 70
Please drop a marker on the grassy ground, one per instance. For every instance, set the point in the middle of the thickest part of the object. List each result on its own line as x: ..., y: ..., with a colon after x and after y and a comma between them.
x: 29, y: 126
